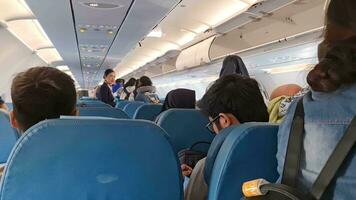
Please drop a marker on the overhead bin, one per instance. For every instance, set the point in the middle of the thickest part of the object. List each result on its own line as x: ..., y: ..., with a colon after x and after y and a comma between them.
x: 196, y: 55
x: 254, y: 13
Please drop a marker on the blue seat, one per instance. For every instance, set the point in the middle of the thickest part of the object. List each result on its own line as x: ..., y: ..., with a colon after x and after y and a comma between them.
x: 92, y: 159
x: 88, y: 99
x: 185, y: 127
x: 102, y: 112
x: 121, y: 104
x: 8, y: 137
x: 130, y: 108
x: 148, y: 111
x: 242, y: 153
x: 93, y: 104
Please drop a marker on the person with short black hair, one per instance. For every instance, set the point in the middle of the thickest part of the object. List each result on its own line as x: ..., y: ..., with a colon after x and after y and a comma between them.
x: 231, y: 100
x: 104, y: 93
x: 41, y: 93
x: 145, y: 91
x: 179, y: 98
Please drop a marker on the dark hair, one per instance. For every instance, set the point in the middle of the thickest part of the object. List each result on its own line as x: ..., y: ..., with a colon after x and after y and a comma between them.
x: 107, y: 72
x: 1, y: 101
x: 233, y: 64
x: 337, y: 64
x: 131, y: 82
x: 42, y: 93
x: 120, y: 80
x: 237, y: 95
x: 144, y: 81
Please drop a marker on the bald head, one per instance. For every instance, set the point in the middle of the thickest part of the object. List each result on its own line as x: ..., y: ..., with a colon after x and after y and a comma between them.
x: 286, y: 90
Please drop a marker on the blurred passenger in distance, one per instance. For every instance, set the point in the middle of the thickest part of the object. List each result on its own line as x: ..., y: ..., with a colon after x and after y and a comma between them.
x: 233, y: 65
x: 280, y: 100
x: 330, y: 106
x: 179, y: 98
x: 128, y: 90
x: 41, y: 93
x: 231, y: 100
x: 105, y: 92
x: 3, y: 106
x: 145, y: 91
x: 119, y: 83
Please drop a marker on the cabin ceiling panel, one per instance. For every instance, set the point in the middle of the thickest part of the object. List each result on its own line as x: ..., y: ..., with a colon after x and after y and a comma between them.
x: 56, y: 18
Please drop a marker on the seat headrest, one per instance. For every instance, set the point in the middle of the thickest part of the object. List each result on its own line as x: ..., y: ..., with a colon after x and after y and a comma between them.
x: 247, y: 153
x: 92, y: 159
x: 102, y: 112
x: 185, y: 127
x: 148, y: 111
x: 131, y: 108
x: 8, y: 137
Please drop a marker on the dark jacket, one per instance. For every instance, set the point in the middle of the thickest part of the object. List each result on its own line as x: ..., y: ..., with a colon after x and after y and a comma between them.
x: 105, y: 95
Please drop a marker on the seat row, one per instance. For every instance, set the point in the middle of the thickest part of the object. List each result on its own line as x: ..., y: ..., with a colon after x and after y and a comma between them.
x: 93, y: 158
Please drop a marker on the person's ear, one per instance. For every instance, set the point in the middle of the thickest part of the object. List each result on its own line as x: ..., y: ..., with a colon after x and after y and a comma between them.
x: 227, y: 119
x: 224, y: 120
x: 13, y: 121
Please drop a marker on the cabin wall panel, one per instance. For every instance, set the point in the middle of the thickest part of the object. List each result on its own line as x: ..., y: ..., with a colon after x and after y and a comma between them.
x: 15, y: 57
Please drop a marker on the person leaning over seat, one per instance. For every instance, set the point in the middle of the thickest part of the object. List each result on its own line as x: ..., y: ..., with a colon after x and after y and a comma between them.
x: 41, y: 93
x: 231, y: 100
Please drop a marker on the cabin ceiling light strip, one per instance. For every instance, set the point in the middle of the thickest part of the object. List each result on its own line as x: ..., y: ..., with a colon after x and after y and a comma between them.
x: 286, y: 69
x: 49, y: 55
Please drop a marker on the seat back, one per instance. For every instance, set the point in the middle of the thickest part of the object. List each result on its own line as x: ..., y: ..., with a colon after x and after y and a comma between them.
x: 185, y: 127
x: 8, y: 137
x: 131, y: 108
x: 148, y: 112
x: 92, y: 159
x: 93, y: 104
x: 121, y: 104
x: 247, y: 153
x: 102, y: 112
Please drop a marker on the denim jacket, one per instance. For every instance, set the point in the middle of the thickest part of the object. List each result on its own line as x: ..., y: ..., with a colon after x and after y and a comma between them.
x: 327, y: 116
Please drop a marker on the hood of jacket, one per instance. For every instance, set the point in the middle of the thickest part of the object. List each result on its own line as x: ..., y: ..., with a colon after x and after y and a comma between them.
x: 143, y: 89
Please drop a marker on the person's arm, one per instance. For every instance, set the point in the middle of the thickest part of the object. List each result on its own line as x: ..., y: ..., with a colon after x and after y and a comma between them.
x: 197, y: 188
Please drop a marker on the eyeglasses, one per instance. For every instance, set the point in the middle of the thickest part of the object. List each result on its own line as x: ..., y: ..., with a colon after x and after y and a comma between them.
x: 210, y: 127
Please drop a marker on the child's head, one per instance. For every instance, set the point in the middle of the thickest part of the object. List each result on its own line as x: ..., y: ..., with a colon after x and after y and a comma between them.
x: 41, y: 93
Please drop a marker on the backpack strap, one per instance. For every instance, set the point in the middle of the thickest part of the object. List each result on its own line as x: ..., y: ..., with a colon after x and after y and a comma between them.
x: 335, y: 161
x: 295, y: 144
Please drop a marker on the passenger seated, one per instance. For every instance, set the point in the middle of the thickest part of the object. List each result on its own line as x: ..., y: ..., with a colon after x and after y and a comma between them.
x: 280, y: 100
x: 128, y: 91
x: 41, y: 93
x: 233, y: 64
x: 231, y: 100
x: 179, y: 98
x: 104, y: 92
x: 145, y: 91
x: 3, y: 106
x: 330, y: 106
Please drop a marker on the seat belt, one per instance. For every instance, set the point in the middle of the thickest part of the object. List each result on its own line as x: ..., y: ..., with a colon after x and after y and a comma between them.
x: 293, y: 156
x: 335, y: 161
x: 295, y: 144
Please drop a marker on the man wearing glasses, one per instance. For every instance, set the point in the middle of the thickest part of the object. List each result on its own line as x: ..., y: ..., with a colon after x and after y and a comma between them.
x: 231, y: 100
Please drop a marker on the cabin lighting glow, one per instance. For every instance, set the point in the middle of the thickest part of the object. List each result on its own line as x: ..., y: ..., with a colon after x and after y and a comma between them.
x: 156, y: 33
x: 63, y: 68
x: 93, y: 4
x: 286, y: 69
x: 231, y: 10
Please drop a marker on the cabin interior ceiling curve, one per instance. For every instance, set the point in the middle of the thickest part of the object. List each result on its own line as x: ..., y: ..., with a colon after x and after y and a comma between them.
x: 92, y: 36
